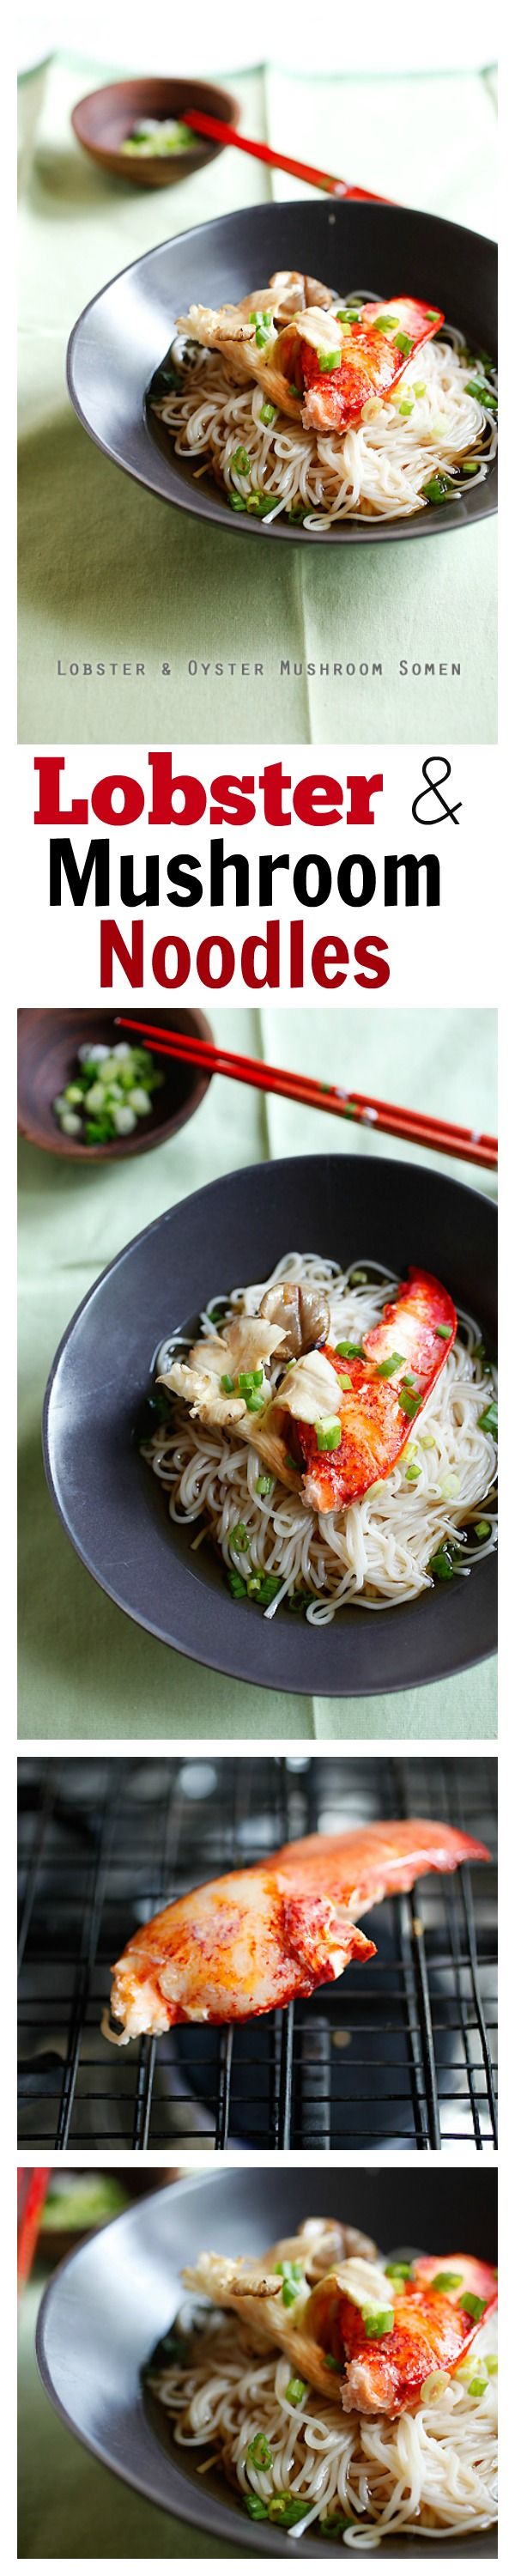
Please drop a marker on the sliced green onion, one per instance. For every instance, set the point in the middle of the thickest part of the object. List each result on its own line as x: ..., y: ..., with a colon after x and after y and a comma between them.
x: 227, y: 1384
x: 405, y: 409
x: 292, y: 2275
x: 236, y: 1584
x: 482, y: 1529
x: 409, y: 1404
x: 349, y: 1351
x: 259, y: 503
x: 387, y: 322
x: 470, y: 465
x: 491, y: 2364
x: 328, y: 1432
x: 444, y: 1332
x: 259, y: 2452
x: 386, y: 1368
x: 482, y: 394
x: 248, y: 1379
x: 398, y: 2271
x: 240, y: 460
x: 441, y: 1565
x: 473, y: 2306
x: 438, y: 487
x: 287, y: 2510
x: 344, y: 1381
x: 488, y: 1421
x: 378, y: 2322
x: 402, y: 342
x: 267, y: 414
x: 331, y: 2364
x: 419, y: 390
x: 239, y: 1535
x: 426, y: 1440
x: 477, y: 2387
x: 258, y: 2511
x: 412, y: 1475
x: 327, y: 359
x: 264, y: 1484
x: 295, y: 2391
x: 236, y: 501
x: 446, y: 2281
x: 332, y: 2525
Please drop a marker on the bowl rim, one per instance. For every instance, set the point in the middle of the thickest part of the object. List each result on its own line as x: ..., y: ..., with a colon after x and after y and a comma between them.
x: 210, y: 1654
x: 426, y: 523
x: 141, y: 80
x: 120, y: 1148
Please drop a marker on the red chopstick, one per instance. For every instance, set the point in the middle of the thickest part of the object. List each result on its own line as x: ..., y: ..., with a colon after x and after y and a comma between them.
x: 33, y: 2181
x: 413, y: 1125
x: 217, y: 132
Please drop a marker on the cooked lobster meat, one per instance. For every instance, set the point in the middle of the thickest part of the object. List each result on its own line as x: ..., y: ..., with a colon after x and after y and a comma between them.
x: 366, y: 2335
x: 353, y: 1417
x: 374, y: 354
x: 249, y: 1942
x: 423, y: 2319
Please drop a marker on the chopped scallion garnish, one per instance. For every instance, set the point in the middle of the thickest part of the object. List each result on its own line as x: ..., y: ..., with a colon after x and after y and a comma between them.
x: 488, y: 1421
x: 386, y: 1368
x: 259, y: 2452
x: 446, y: 2281
x: 328, y: 1432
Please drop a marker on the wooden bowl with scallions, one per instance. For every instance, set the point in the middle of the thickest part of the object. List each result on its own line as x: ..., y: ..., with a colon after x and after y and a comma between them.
x: 85, y: 1091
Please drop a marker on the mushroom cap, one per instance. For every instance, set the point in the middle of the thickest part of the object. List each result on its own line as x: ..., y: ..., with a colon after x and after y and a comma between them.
x: 302, y: 1313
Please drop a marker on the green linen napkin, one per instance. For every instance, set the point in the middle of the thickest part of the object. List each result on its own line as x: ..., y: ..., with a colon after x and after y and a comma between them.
x: 109, y: 575
x: 85, y: 1670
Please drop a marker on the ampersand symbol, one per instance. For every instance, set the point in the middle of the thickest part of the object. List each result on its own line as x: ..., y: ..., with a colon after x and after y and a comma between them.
x: 433, y: 787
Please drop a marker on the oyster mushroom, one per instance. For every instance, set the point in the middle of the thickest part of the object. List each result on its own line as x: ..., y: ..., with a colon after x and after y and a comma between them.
x: 302, y: 1314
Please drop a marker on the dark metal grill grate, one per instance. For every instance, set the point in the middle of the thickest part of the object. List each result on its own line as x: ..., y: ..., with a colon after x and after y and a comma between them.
x: 400, y: 2053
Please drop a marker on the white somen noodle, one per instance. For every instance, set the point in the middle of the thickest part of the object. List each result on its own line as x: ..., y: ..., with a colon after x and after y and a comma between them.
x: 376, y: 1551
x: 431, y: 2471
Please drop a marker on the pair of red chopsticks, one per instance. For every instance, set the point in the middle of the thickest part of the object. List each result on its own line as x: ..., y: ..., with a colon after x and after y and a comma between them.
x: 412, y: 1125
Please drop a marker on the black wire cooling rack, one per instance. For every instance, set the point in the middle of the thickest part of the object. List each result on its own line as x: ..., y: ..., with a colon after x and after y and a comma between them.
x: 400, y: 2053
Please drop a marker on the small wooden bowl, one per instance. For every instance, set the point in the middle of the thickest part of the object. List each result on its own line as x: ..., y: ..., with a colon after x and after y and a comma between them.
x: 103, y: 121
x: 48, y: 1045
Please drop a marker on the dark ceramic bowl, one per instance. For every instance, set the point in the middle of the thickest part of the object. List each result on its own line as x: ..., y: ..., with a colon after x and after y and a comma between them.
x: 48, y: 1044
x: 111, y: 2302
x: 123, y: 337
x: 115, y: 1512
x: 104, y: 119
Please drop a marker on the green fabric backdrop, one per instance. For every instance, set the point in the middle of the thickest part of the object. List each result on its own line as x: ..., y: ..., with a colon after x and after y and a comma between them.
x: 108, y: 574
x: 85, y: 1670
